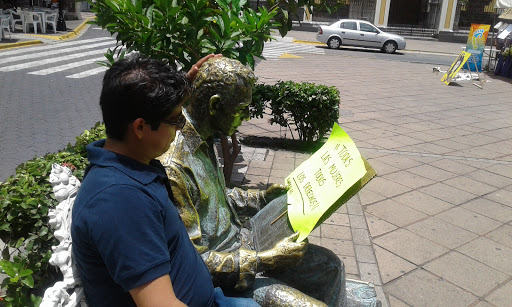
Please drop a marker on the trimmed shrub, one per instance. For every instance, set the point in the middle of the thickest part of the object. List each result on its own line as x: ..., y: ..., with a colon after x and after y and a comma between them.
x: 311, y: 108
x: 25, y: 199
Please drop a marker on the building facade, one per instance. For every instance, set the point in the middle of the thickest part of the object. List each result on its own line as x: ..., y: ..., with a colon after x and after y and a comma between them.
x: 430, y: 16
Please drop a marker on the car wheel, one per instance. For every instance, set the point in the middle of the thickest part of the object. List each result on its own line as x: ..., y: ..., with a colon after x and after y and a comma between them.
x: 334, y: 43
x: 389, y: 47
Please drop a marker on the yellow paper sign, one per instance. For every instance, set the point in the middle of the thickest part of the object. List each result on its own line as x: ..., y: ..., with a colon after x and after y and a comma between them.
x: 320, y: 181
x: 456, y: 66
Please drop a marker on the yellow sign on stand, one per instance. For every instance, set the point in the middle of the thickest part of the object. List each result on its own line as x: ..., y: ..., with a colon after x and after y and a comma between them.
x: 456, y: 66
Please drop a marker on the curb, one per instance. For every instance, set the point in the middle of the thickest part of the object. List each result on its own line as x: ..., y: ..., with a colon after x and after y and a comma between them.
x: 20, y: 44
x: 67, y: 36
x: 406, y: 50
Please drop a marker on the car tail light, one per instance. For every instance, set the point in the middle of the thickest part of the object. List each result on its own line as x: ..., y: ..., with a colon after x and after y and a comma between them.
x: 320, y: 30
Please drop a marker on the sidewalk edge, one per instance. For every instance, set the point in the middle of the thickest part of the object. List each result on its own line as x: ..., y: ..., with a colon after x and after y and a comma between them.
x: 20, y: 44
x: 70, y: 35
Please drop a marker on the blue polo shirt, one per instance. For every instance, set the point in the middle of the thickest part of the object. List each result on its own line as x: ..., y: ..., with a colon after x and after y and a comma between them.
x: 127, y: 232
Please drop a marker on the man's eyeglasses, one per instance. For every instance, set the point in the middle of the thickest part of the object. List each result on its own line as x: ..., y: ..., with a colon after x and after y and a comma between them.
x: 178, y: 122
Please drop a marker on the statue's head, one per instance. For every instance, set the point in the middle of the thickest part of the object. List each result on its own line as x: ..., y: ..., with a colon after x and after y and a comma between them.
x: 222, y: 92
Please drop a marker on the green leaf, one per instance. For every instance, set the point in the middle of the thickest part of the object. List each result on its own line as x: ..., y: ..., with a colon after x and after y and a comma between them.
x: 7, y: 267
x: 5, y: 252
x: 28, y: 281
x: 25, y: 272
x: 20, y: 242
x: 43, y: 231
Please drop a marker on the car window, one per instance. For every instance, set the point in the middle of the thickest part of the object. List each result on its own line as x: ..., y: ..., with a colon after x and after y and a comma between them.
x: 350, y: 25
x: 367, y: 28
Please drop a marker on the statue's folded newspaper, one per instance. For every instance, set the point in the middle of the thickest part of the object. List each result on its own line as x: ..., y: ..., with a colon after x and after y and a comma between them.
x: 317, y: 188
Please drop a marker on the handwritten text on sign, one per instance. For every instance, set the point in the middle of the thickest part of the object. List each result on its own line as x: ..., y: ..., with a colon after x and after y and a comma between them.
x: 320, y: 181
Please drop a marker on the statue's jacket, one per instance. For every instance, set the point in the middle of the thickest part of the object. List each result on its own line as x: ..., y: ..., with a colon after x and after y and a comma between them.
x: 210, y: 210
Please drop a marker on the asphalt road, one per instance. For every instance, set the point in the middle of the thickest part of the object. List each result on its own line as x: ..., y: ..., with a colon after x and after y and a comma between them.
x: 42, y: 113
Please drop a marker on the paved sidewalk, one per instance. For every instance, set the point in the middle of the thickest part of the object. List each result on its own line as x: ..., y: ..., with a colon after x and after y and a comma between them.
x: 434, y: 228
x: 74, y: 28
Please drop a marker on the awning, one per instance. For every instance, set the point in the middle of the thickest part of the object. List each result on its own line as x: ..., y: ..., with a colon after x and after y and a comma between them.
x: 502, y: 4
x: 507, y: 14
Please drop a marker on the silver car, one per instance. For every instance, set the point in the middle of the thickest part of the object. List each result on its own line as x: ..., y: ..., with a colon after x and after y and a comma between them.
x: 353, y: 32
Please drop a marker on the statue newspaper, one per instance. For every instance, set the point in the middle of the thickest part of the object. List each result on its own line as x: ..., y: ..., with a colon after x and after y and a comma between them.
x: 317, y: 188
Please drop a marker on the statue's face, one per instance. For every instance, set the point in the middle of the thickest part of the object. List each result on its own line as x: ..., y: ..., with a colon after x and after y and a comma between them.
x: 232, y: 111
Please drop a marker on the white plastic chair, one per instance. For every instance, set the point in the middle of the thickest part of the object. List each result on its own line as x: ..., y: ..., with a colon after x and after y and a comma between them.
x: 51, y: 19
x: 5, y: 26
x: 34, y: 20
x: 17, y: 17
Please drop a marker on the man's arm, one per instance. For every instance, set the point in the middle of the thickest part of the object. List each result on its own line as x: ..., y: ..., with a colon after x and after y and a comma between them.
x: 156, y: 293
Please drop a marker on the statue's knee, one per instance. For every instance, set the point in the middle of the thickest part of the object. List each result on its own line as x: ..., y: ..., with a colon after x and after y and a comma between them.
x: 330, y: 262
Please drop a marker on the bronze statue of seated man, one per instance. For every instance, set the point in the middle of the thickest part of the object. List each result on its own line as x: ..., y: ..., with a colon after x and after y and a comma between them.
x: 290, y: 273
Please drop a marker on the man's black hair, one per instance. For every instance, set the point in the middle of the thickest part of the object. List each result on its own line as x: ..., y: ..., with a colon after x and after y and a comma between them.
x: 139, y: 87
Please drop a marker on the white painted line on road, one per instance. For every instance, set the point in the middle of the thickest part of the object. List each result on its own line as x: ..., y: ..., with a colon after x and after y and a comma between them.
x: 54, y: 53
x: 88, y: 73
x: 50, y: 61
x: 55, y: 69
x: 54, y: 46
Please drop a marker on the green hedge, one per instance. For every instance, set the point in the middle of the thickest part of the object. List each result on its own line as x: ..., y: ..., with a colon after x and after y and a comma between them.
x: 25, y: 199
x: 311, y: 108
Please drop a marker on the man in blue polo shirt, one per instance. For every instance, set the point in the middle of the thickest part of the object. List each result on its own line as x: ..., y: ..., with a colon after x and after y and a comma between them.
x: 129, y: 243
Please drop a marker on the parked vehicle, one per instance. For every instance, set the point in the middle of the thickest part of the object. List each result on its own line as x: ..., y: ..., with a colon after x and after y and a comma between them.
x: 360, y: 33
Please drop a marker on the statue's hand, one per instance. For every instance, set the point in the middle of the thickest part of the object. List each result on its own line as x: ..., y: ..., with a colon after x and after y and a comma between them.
x: 274, y: 191
x: 286, y: 252
x: 191, y: 74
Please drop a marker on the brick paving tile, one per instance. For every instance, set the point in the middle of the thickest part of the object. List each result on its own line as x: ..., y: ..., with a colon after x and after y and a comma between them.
x: 423, y: 289
x: 469, y: 220
x: 378, y: 226
x: 501, y: 296
x: 418, y: 250
x: 491, y: 253
x: 423, y: 202
x: 502, y: 235
x: 441, y: 232
x: 448, y: 193
x: 395, y: 213
x: 391, y: 266
x: 469, y: 274
x: 490, y: 209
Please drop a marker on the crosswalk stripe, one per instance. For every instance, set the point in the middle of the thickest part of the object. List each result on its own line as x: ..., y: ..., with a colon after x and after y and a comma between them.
x: 54, y: 46
x: 52, y: 53
x: 50, y: 61
x: 88, y: 73
x: 55, y: 69
x: 274, y: 50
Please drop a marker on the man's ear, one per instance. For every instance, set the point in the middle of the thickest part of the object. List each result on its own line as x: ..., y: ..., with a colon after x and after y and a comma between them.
x: 137, y: 127
x: 214, y: 104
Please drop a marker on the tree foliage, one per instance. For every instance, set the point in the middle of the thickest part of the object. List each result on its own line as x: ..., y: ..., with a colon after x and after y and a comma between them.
x: 183, y: 31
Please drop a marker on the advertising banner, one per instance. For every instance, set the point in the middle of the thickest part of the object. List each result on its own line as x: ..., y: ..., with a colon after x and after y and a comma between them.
x: 476, y: 45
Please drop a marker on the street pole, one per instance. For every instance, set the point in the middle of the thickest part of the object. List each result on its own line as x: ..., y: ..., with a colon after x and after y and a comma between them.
x: 61, y: 24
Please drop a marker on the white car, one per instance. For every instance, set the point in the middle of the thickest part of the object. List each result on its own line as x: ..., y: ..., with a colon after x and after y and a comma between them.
x: 353, y: 32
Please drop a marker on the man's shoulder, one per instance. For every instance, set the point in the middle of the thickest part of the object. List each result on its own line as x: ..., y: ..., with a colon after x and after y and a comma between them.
x: 105, y: 184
